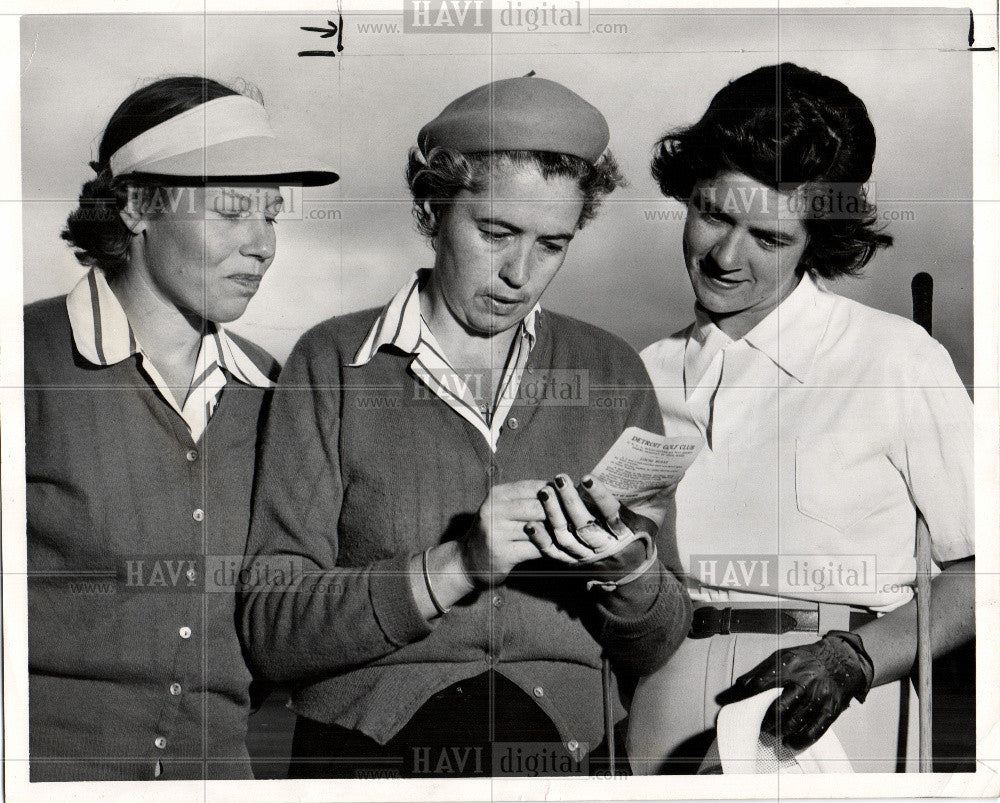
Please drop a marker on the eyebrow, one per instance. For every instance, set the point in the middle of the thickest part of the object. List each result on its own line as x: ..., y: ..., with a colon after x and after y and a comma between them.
x: 276, y: 201
x: 518, y: 230
x: 786, y: 238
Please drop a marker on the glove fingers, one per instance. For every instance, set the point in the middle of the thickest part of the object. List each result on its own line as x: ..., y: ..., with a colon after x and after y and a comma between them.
x: 799, y: 718
x: 783, y: 709
x: 762, y: 677
x: 810, y: 733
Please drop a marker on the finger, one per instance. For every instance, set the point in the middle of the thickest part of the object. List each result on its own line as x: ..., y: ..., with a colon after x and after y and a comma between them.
x: 762, y: 677
x: 576, y: 511
x: 602, y: 498
x: 517, y: 531
x: 733, y: 694
x: 799, y: 720
x: 558, y: 525
x: 782, y: 711
x: 521, y: 489
x: 812, y: 732
x: 587, y: 531
x: 540, y: 537
x: 520, y: 510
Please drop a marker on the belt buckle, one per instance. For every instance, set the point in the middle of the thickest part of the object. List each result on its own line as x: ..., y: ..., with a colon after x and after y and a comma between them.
x: 725, y: 621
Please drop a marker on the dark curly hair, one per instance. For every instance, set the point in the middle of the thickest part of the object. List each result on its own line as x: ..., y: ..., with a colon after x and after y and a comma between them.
x: 791, y: 129
x: 436, y: 179
x: 95, y: 227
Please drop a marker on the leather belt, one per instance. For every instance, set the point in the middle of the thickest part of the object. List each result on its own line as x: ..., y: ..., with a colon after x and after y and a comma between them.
x: 711, y: 621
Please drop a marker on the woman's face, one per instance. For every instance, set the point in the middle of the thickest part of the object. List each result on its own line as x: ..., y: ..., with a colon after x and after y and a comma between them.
x: 205, y: 250
x: 743, y: 241
x: 497, y: 250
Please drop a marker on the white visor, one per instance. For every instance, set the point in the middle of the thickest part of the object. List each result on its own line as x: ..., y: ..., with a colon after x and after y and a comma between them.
x: 225, y: 138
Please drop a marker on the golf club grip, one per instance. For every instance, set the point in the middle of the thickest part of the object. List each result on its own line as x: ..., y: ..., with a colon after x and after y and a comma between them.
x: 922, y: 287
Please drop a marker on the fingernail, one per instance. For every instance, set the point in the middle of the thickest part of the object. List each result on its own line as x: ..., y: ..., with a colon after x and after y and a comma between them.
x: 529, y: 529
x: 588, y: 482
x: 561, y: 481
x: 543, y: 495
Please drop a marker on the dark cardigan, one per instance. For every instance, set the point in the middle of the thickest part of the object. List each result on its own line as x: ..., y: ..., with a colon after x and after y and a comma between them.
x: 363, y: 467
x: 118, y: 565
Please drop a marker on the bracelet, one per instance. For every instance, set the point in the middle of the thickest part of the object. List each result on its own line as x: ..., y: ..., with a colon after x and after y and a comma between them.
x: 430, y: 591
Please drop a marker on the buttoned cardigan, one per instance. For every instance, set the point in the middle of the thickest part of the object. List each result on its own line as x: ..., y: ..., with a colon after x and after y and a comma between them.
x: 135, y: 535
x: 363, y: 467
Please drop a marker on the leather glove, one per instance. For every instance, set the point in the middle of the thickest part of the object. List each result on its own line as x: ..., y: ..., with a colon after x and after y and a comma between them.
x: 627, y: 557
x: 819, y: 681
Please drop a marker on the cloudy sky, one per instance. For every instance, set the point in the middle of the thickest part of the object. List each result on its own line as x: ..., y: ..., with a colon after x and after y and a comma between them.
x: 646, y: 71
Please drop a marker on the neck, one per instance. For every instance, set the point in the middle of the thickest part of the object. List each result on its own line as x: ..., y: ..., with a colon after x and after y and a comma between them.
x: 735, y: 325
x: 170, y: 337
x: 464, y: 347
x: 739, y: 324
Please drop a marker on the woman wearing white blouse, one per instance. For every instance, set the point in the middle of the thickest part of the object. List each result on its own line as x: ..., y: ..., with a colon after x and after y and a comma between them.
x: 830, y: 428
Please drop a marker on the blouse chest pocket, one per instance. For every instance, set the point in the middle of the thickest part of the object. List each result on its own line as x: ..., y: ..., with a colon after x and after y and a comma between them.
x: 840, y: 479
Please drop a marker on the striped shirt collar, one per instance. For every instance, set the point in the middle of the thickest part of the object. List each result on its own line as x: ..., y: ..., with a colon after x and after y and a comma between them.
x: 104, y: 336
x: 402, y: 326
x: 400, y: 322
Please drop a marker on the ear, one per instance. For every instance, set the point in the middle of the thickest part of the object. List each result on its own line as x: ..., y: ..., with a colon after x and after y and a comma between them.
x: 428, y: 210
x: 133, y: 214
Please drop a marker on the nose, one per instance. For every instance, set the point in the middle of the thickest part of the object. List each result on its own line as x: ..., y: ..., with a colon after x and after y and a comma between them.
x: 516, y: 267
x: 259, y: 241
x: 728, y: 250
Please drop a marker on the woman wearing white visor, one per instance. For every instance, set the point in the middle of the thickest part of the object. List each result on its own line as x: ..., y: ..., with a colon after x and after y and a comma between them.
x: 141, y: 424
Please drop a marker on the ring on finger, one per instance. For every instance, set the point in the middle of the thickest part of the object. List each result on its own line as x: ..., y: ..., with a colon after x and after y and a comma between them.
x: 584, y: 526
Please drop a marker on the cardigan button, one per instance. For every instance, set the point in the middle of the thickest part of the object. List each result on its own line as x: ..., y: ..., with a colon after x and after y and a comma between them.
x: 512, y: 423
x: 198, y: 514
x: 185, y: 632
x: 192, y: 455
x: 497, y: 601
x: 175, y: 689
x: 538, y: 691
x: 572, y: 745
x: 160, y: 742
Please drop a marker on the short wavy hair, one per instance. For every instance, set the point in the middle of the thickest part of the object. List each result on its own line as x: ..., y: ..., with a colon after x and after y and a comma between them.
x: 792, y: 129
x: 95, y: 227
x: 437, y: 178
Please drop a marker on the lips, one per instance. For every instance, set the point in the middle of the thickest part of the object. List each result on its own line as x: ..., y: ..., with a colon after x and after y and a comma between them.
x: 502, y: 303
x: 248, y: 281
x: 718, y: 277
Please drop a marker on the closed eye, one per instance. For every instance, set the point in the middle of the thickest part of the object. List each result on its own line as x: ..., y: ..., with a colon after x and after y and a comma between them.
x: 495, y: 235
x: 770, y: 242
x: 714, y: 216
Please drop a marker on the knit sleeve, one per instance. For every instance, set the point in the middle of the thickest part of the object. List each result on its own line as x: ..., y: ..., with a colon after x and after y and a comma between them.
x: 302, y: 615
x: 643, y: 625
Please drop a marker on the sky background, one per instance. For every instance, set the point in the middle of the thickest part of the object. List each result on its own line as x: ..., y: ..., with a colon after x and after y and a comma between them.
x: 361, y: 112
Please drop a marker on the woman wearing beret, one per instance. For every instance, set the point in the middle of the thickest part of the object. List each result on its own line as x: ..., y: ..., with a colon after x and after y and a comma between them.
x: 830, y: 428
x: 141, y: 420
x: 453, y: 590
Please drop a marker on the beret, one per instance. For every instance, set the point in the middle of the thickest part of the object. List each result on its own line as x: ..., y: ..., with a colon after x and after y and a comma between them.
x: 519, y: 114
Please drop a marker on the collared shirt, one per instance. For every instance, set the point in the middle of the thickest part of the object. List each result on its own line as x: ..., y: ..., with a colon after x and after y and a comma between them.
x: 401, y: 325
x: 134, y: 537
x: 827, y: 427
x: 354, y: 489
x: 104, y: 336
